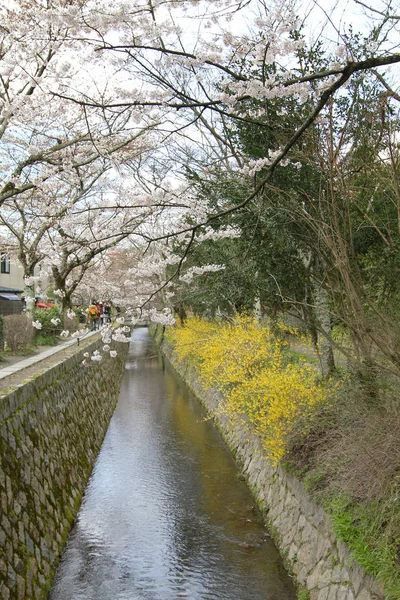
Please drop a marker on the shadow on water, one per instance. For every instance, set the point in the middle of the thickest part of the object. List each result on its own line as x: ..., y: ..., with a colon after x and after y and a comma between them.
x: 165, y: 515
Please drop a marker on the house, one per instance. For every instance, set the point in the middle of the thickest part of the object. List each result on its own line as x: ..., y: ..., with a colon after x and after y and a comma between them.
x: 10, y: 301
x: 11, y: 271
x: 12, y: 280
x: 11, y: 284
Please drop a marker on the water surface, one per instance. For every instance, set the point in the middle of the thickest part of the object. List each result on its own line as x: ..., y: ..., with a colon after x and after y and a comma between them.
x: 165, y: 515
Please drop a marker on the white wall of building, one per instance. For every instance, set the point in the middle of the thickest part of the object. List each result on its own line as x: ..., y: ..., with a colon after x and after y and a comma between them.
x: 15, y: 278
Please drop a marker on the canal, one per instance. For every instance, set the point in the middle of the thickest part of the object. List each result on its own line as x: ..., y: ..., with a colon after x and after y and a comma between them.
x: 165, y: 514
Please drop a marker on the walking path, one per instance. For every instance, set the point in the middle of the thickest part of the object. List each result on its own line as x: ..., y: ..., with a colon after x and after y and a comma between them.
x: 309, y: 352
x: 11, y: 375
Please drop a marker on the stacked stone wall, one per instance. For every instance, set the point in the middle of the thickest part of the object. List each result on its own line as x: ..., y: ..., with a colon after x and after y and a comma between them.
x: 302, y: 531
x: 51, y: 430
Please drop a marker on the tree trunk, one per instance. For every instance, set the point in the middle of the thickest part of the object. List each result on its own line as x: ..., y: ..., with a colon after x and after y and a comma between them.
x: 323, y: 319
x: 258, y: 311
x: 309, y: 316
x: 66, y: 303
x: 29, y: 294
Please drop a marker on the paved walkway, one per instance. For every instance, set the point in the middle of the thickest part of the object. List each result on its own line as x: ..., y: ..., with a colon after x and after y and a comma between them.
x: 28, y: 362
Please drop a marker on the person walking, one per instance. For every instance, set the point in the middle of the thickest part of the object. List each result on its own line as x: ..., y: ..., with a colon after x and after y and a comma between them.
x: 93, y: 315
x: 100, y: 315
x: 106, y: 313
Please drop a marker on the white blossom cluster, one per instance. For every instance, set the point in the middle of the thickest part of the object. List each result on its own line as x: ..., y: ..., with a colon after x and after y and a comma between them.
x: 190, y: 273
x: 219, y: 234
x: 164, y: 317
x: 30, y: 281
x: 96, y: 356
x: 254, y: 166
x: 108, y: 334
x: 119, y: 334
x: 80, y: 333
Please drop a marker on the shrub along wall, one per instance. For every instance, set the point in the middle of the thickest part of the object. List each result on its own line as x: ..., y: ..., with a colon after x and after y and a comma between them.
x: 302, y: 531
x: 51, y: 430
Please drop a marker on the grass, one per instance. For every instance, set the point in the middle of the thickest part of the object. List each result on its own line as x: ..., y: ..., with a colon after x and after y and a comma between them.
x: 46, y: 340
x: 303, y: 594
x: 314, y: 480
x: 350, y: 464
x: 295, y: 357
x: 26, y: 350
x: 360, y: 528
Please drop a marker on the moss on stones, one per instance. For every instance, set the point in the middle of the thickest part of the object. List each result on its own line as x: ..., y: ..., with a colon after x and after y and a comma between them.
x: 51, y: 430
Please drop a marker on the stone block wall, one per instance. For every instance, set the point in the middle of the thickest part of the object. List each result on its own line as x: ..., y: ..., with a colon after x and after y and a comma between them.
x: 302, y: 531
x: 51, y: 430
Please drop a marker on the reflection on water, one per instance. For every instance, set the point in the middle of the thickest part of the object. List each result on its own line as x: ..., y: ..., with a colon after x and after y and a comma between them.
x: 165, y: 515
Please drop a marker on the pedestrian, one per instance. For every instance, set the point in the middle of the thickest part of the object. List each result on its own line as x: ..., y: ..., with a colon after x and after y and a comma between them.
x: 101, y: 314
x: 106, y: 313
x: 93, y: 315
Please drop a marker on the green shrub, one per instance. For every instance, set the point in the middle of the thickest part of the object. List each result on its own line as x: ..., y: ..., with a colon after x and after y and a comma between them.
x: 81, y: 313
x: 45, y: 316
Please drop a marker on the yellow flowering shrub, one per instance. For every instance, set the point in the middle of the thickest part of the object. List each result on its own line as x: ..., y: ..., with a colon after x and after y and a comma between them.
x: 274, y: 400
x: 247, y: 363
x: 189, y: 340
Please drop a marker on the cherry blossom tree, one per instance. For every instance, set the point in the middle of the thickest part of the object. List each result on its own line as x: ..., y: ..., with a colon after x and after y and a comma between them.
x: 188, y: 71
x: 219, y: 71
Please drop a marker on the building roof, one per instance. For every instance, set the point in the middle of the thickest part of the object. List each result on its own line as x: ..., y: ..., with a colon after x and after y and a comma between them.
x: 11, y: 297
x: 8, y: 290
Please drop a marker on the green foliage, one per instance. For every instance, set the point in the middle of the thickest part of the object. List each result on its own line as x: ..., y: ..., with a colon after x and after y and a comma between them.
x: 315, y: 479
x: 303, y: 594
x: 45, y: 316
x: 81, y: 314
x: 27, y: 350
x: 295, y: 357
x: 262, y: 263
x: 46, y: 340
x: 1, y: 333
x: 358, y: 527
x: 329, y: 216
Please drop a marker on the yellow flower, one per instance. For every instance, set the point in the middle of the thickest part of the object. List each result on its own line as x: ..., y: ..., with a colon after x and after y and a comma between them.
x: 247, y: 363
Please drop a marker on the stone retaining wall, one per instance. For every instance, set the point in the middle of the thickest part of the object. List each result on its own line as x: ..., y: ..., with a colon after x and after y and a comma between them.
x: 51, y: 430
x: 303, y: 533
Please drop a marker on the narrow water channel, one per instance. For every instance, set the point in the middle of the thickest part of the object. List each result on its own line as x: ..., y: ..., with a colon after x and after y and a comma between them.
x: 165, y: 515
